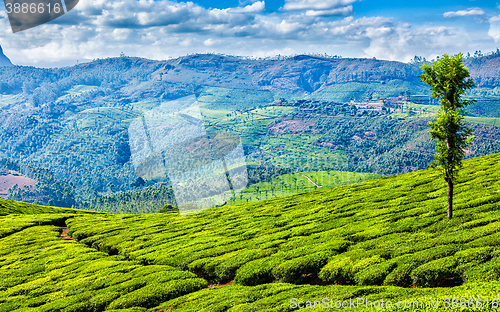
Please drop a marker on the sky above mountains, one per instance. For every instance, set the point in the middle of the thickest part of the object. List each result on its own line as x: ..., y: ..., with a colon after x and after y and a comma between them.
x: 391, y: 30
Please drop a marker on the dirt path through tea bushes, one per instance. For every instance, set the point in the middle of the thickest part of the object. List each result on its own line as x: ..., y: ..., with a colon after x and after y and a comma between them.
x: 310, y: 180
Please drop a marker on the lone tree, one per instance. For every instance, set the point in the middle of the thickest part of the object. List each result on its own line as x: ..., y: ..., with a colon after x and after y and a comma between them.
x: 448, y: 81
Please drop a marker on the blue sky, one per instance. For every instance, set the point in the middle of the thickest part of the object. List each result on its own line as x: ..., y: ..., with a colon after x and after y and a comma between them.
x: 392, y: 30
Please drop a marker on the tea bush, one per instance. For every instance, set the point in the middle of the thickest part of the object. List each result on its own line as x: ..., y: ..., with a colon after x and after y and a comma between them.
x: 385, y: 238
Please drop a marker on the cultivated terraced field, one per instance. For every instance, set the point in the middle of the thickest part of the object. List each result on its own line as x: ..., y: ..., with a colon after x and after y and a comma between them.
x: 381, y: 239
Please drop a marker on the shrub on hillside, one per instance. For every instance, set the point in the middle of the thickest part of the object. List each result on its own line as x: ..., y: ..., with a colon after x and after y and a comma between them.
x: 401, y: 275
x: 440, y: 272
x: 375, y: 274
x: 488, y: 271
x: 257, y: 271
x: 337, y: 271
x: 292, y: 271
x: 153, y: 294
x: 226, y: 270
x: 474, y: 255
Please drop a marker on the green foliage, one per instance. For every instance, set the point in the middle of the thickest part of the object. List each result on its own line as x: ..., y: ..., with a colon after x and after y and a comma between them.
x: 337, y: 271
x: 48, y: 189
x: 440, y: 272
x: 146, y: 200
x: 257, y: 272
x: 168, y: 208
x: 53, y: 274
x: 447, y: 79
x: 385, y: 232
x: 375, y: 274
x: 299, y: 182
x: 14, y: 207
x: 153, y: 294
x: 488, y: 271
x: 453, y: 137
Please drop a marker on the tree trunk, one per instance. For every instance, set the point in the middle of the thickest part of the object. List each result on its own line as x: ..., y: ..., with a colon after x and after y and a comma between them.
x: 450, y: 198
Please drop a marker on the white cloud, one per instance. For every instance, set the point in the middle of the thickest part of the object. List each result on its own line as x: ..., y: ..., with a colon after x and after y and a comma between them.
x: 180, y: 16
x: 255, y: 7
x: 161, y: 29
x: 122, y: 34
x: 469, y: 12
x: 347, y: 10
x: 396, y: 43
x: 291, y: 5
x: 212, y: 42
x: 494, y: 31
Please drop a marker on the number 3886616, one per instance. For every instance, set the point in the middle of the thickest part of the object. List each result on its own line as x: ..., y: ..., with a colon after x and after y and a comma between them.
x: 33, y: 8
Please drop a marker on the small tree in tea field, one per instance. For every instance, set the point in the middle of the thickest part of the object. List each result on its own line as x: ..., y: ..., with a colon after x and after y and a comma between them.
x: 449, y: 80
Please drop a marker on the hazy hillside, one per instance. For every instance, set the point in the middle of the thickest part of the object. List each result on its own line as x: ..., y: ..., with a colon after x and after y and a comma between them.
x: 70, y: 128
x: 384, y: 239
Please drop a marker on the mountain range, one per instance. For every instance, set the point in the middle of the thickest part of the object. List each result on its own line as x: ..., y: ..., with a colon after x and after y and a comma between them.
x: 69, y: 128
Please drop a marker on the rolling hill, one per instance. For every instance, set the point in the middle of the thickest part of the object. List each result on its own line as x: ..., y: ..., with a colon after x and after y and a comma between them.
x: 384, y: 239
x: 72, y: 129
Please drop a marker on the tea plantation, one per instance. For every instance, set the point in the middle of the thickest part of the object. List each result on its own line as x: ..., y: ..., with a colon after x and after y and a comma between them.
x: 381, y: 241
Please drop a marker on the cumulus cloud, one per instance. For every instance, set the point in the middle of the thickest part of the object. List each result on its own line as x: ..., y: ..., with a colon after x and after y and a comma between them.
x: 180, y: 16
x: 494, y: 31
x: 255, y: 7
x: 291, y: 5
x: 347, y: 10
x: 212, y: 42
x: 469, y: 12
x: 397, y: 43
x: 162, y: 29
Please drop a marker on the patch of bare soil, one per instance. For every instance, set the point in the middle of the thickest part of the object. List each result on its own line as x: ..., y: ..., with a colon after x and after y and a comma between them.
x: 292, y: 126
x: 9, y: 180
x: 220, y: 285
x: 64, y: 234
x: 312, y: 279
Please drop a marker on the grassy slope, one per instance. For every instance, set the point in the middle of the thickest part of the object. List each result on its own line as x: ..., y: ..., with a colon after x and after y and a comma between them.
x: 16, y: 216
x: 14, y: 207
x: 294, y: 183
x: 374, y: 239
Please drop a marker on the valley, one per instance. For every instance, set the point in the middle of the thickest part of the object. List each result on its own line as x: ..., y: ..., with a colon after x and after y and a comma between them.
x: 71, y: 129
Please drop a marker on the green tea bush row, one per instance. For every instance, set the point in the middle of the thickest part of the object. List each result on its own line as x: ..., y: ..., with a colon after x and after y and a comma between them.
x: 42, y: 272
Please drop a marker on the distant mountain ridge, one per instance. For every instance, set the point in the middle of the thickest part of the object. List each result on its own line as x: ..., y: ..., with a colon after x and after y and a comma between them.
x: 4, y: 60
x: 301, y: 74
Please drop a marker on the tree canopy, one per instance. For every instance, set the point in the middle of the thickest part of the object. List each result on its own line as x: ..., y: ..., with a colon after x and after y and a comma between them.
x: 448, y: 79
